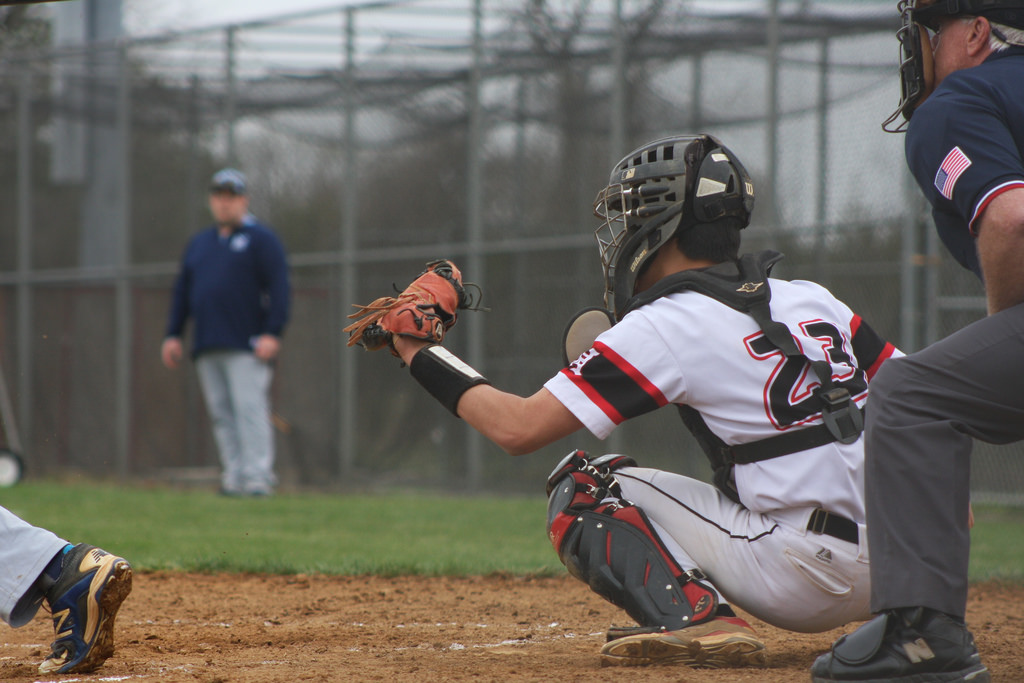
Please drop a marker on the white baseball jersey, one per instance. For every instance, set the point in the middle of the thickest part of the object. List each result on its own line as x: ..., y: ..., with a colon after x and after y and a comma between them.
x: 690, y: 349
x: 687, y: 348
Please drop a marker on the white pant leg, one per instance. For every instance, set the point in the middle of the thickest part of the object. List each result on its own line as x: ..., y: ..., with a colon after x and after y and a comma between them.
x: 249, y: 381
x: 790, y: 578
x: 25, y: 551
x: 213, y: 379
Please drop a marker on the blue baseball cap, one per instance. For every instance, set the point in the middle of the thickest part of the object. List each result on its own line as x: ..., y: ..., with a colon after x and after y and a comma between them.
x: 228, y: 180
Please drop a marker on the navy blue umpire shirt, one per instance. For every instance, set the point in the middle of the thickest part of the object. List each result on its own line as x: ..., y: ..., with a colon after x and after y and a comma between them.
x: 964, y: 146
x: 234, y: 288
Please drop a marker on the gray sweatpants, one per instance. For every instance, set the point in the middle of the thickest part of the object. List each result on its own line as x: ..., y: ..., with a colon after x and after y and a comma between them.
x: 924, y: 412
x: 25, y: 550
x: 236, y: 387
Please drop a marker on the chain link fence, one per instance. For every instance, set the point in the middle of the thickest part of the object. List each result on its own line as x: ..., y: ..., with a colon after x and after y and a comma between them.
x: 377, y: 137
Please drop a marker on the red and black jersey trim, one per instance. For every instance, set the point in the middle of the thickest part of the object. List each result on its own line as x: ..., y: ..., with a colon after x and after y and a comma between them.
x: 618, y: 388
x: 871, y: 350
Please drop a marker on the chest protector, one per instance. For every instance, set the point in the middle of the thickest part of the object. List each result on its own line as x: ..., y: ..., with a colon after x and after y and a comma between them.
x: 743, y: 286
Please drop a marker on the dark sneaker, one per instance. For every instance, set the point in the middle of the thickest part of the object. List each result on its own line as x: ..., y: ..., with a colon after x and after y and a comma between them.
x: 914, y: 644
x: 722, y: 642
x: 84, y: 601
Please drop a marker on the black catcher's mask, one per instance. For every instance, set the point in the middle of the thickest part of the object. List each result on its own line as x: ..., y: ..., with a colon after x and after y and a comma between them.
x: 655, y: 189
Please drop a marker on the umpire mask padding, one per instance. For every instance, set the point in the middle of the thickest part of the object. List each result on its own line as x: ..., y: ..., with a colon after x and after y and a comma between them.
x: 656, y: 190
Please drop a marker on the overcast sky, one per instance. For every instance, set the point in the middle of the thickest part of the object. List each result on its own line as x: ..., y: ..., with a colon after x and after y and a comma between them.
x: 147, y: 17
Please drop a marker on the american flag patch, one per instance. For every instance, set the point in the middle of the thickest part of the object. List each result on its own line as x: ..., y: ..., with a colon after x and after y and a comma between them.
x: 955, y: 163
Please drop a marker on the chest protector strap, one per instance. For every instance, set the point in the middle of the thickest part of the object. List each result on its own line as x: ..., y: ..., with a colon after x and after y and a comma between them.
x: 743, y: 286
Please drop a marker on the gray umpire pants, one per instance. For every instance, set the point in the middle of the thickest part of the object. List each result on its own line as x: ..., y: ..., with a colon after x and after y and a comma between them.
x: 923, y: 413
x: 236, y: 387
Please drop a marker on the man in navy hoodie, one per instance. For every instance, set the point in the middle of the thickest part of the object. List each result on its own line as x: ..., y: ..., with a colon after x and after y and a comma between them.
x: 233, y: 284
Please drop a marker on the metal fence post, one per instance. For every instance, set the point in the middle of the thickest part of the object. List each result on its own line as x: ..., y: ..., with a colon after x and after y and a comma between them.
x: 772, y: 118
x: 821, y: 198
x: 124, y: 322
x: 617, y: 137
x: 349, y: 245
x: 23, y: 368
x: 230, y: 95
x: 696, y: 106
x: 616, y: 440
x: 474, y: 232
x: 909, y: 268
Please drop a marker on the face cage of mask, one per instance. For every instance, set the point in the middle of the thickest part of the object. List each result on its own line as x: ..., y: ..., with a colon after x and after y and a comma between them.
x: 912, y: 38
x: 611, y: 233
x: 614, y: 229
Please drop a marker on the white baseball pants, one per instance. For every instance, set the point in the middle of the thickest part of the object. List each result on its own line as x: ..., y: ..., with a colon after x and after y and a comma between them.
x: 780, y: 573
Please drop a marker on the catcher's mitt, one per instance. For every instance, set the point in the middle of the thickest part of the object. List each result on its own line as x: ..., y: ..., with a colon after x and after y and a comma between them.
x: 425, y: 310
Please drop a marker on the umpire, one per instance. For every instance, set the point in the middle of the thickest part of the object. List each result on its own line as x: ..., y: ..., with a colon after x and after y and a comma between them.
x: 964, y: 146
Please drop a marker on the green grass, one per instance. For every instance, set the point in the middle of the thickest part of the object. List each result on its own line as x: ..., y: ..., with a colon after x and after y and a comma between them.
x: 997, y: 543
x: 415, y: 533
x: 159, y: 528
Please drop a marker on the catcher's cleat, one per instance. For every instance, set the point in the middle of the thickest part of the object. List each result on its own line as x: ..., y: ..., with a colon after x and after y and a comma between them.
x: 722, y: 642
x: 84, y: 601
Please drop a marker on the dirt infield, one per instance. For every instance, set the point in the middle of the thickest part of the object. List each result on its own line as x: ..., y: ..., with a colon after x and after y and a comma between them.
x: 227, y: 628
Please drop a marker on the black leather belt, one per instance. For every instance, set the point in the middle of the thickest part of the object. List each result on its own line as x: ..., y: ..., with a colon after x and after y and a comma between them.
x: 822, y: 522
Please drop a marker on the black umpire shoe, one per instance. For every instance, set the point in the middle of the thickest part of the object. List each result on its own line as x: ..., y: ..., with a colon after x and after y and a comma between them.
x: 912, y: 644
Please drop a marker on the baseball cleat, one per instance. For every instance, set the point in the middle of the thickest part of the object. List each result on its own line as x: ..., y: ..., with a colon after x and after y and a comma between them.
x: 722, y: 642
x: 84, y: 601
x: 911, y: 644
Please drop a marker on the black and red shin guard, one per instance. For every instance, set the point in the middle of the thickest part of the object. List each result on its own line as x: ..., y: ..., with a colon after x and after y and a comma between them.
x: 610, y: 544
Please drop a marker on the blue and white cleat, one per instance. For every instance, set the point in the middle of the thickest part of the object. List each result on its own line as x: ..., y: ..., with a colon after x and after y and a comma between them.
x: 84, y: 601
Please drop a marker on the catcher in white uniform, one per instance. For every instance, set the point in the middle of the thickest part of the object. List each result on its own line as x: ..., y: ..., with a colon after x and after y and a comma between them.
x: 770, y: 376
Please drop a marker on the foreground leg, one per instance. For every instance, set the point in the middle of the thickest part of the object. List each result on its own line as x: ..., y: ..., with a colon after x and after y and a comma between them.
x: 25, y: 552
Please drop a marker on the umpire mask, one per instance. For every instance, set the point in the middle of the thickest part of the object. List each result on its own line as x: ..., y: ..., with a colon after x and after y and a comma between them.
x: 652, y: 192
x: 917, y: 69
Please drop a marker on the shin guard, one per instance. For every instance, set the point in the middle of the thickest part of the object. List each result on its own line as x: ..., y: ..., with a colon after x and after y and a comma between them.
x: 610, y: 544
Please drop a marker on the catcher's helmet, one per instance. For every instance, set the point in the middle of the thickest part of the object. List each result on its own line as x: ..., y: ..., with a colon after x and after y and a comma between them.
x: 917, y: 76
x: 654, y: 191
